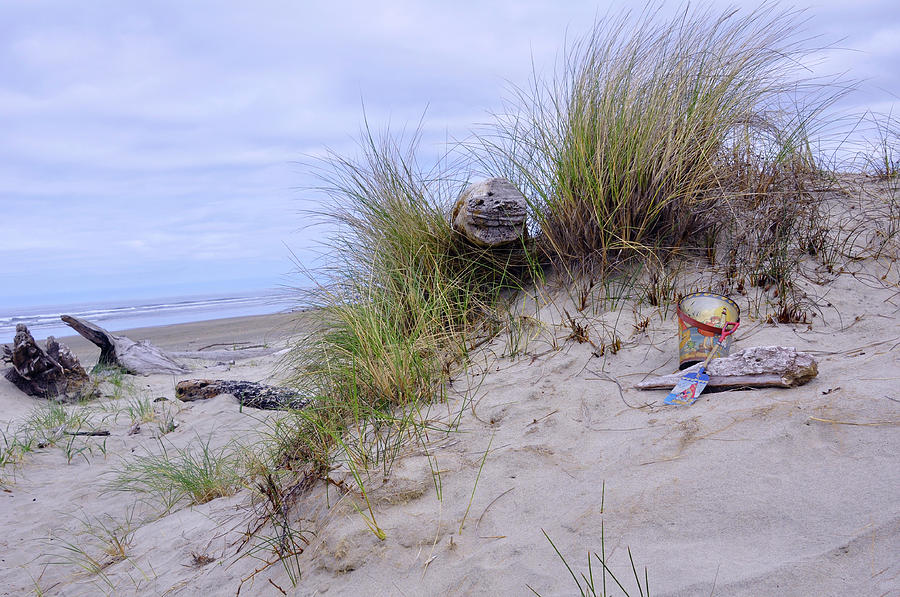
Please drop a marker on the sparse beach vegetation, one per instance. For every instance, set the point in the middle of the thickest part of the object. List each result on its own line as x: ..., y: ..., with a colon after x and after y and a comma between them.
x: 883, y: 156
x: 170, y: 475
x: 99, y: 543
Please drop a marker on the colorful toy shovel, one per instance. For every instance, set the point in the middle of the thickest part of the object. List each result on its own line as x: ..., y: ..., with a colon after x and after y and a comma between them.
x: 689, y: 387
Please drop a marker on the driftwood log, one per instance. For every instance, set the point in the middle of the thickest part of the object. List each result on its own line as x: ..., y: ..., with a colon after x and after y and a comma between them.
x: 490, y: 213
x: 248, y: 393
x: 140, y: 358
x: 757, y: 367
x: 51, y: 372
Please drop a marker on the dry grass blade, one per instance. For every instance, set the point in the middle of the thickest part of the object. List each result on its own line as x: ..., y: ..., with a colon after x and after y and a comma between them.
x: 856, y: 423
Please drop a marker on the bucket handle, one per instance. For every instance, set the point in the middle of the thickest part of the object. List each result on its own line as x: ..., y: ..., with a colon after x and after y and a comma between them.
x: 687, y: 319
x: 728, y: 329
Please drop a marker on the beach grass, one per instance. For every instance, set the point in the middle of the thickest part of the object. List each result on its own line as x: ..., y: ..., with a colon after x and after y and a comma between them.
x: 171, y: 475
x: 648, y: 127
x: 588, y: 586
x: 882, y: 158
x: 404, y: 303
x: 51, y: 425
x: 98, y: 543
x: 140, y: 409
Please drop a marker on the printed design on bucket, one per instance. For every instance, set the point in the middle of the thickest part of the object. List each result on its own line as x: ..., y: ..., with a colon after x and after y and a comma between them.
x: 701, y: 317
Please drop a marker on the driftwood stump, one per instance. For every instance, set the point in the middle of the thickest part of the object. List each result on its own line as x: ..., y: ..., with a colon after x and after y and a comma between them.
x: 140, y: 358
x: 757, y: 367
x: 53, y: 372
x: 490, y: 213
x: 248, y: 393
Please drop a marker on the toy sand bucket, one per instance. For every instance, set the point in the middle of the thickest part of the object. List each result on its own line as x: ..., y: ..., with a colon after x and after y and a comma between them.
x: 701, y: 317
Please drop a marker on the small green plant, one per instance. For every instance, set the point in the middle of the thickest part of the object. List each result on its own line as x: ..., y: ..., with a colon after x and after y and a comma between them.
x: 99, y: 543
x: 78, y: 556
x: 197, y: 474
x: 71, y: 450
x: 475, y: 485
x: 48, y: 424
x: 369, y: 518
x: 14, y: 445
x: 101, y: 446
x: 520, y: 331
x: 883, y: 158
x: 106, y: 537
x: 114, y: 382
x: 167, y: 423
x: 9, y: 453
x: 141, y: 409
x: 587, y: 585
x: 36, y: 587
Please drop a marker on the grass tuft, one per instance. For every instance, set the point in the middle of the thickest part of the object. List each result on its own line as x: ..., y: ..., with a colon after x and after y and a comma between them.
x: 400, y: 309
x: 631, y: 146
x: 174, y: 475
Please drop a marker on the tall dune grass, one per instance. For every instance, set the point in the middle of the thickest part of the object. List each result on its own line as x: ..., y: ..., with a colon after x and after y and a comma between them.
x: 625, y: 148
x: 402, y: 301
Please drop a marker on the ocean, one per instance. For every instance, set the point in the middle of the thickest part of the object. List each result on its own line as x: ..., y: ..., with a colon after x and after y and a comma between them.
x: 44, y: 320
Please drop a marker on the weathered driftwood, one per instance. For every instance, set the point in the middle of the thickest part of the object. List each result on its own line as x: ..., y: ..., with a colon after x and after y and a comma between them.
x: 757, y: 367
x: 248, y: 393
x: 490, y: 213
x: 141, y: 358
x: 53, y: 372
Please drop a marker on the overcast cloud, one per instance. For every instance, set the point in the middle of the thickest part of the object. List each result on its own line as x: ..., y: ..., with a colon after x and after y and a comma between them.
x: 153, y: 147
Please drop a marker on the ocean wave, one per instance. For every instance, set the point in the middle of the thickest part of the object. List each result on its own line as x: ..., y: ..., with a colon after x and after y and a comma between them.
x: 47, y: 321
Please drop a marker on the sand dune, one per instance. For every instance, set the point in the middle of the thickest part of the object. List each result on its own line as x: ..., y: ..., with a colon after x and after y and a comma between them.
x: 763, y: 492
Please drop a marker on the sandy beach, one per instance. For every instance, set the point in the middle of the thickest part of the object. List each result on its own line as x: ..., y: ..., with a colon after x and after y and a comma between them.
x: 755, y: 492
x: 495, y: 224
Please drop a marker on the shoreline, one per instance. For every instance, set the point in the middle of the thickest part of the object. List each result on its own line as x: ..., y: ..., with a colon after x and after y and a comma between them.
x: 247, y: 329
x: 118, y: 316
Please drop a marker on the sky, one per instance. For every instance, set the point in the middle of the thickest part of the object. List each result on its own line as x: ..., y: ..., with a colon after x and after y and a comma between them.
x: 163, y: 148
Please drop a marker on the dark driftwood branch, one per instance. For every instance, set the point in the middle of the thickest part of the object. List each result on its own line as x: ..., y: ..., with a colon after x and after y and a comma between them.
x: 758, y: 367
x: 97, y: 433
x: 248, y: 393
x: 141, y: 358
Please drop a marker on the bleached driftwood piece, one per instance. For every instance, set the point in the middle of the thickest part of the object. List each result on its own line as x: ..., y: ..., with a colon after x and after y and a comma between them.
x: 757, y: 367
x: 53, y: 373
x: 141, y: 358
x: 490, y: 213
x: 248, y: 393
